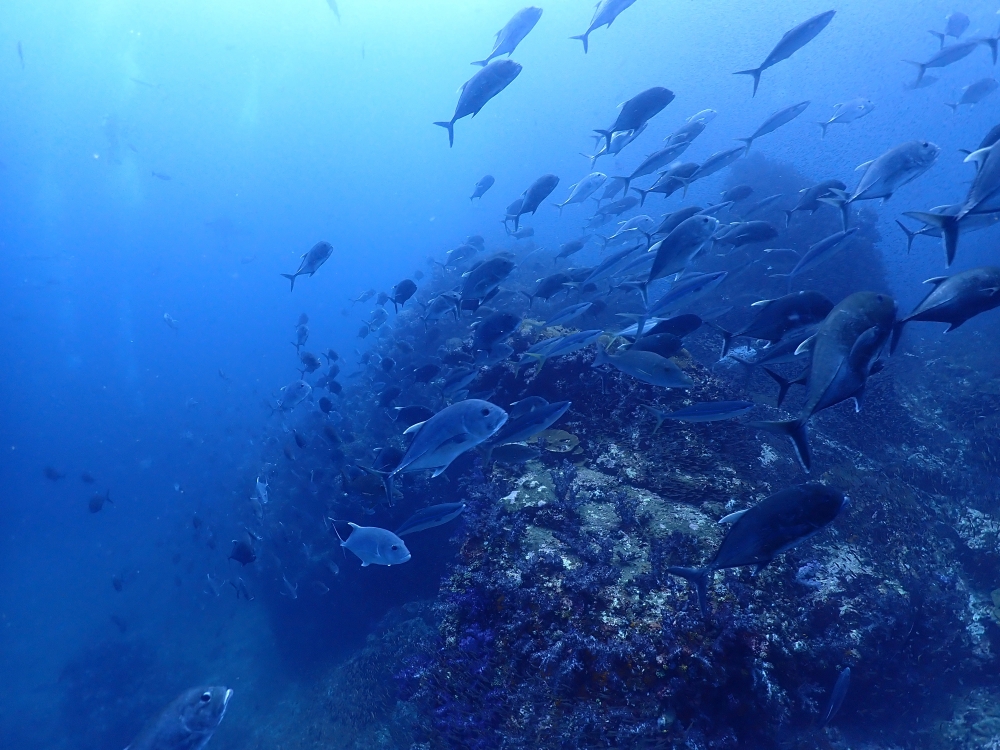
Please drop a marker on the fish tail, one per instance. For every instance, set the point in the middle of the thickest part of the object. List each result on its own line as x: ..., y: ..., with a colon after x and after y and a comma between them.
x: 909, y: 235
x: 748, y: 141
x: 949, y: 226
x: 755, y: 72
x: 642, y: 195
x: 897, y: 334
x: 450, y: 127
x: 940, y: 37
x: 386, y: 477
x: 783, y: 384
x: 823, y: 126
x: 991, y: 41
x: 794, y: 430
x: 952, y: 105
x: 788, y: 217
x: 698, y: 577
x: 582, y: 38
x: 921, y: 69
x: 606, y: 134
x: 290, y: 277
x: 727, y: 339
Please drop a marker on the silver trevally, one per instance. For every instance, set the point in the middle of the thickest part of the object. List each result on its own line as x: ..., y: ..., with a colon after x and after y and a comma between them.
x: 638, y: 110
x: 775, y: 121
x: 294, y: 394
x: 605, y: 13
x: 685, y: 289
x: 374, y: 546
x: 311, y: 261
x: 955, y: 25
x: 528, y: 425
x: 559, y: 346
x: 445, y: 436
x: 569, y: 313
x: 819, y: 252
x: 706, y: 411
x: 792, y: 41
x: 847, y: 112
x: 843, y: 354
x: 952, y: 54
x: 676, y: 251
x: 619, y: 141
x: 693, y: 127
x: 511, y: 35
x: 428, y: 518
x: 583, y: 189
x: 648, y: 367
x: 888, y: 173
x: 717, y: 161
x: 478, y: 90
x: 974, y: 93
x: 761, y: 533
x: 482, y: 186
x: 188, y: 723
x: 659, y: 158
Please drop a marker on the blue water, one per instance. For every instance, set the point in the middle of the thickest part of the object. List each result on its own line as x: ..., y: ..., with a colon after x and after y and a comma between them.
x: 280, y: 126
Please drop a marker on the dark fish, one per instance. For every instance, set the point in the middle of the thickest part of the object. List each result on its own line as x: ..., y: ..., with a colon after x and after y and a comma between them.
x: 676, y: 251
x: 955, y: 299
x: 161, y: 176
x: 738, y: 193
x: 955, y: 25
x: 484, y: 279
x: 685, y: 289
x: 762, y: 204
x: 535, y: 421
x: 605, y: 13
x: 243, y: 551
x: 837, y: 696
x: 389, y: 395
x: 844, y: 351
x: 821, y: 251
x: 331, y: 434
x: 952, y: 54
x: 334, y: 387
x: 382, y: 299
x: 122, y: 625
x: 777, y: 317
x: 664, y: 344
x: 548, y: 287
x: 679, y: 326
x: 775, y: 121
x: 363, y: 297
x: 494, y: 328
x: 568, y: 248
x: 387, y: 363
x: 310, y: 362
x: 747, y: 233
x: 116, y: 582
x: 311, y: 261
x: 299, y: 440
x: 532, y: 198
x: 810, y: 199
x: 482, y: 186
x: 675, y: 177
x: 710, y: 411
x: 638, y: 110
x: 479, y: 89
x: 410, y: 415
x: 525, y: 406
x: 428, y: 518
x: 336, y: 12
x: 53, y: 474
x: 512, y: 33
x: 196, y: 521
x: 426, y: 373
x: 792, y: 41
x: 784, y: 352
x: 402, y: 292
x: 761, y: 533
x: 97, y: 500
x: 188, y: 723
x: 87, y: 478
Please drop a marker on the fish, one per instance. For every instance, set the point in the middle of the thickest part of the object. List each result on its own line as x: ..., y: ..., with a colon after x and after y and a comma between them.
x: 317, y: 255
x: 569, y: 248
x: 301, y: 336
x: 885, y: 175
x: 426, y: 373
x: 514, y: 453
x: 678, y: 325
x: 480, y: 281
x: 775, y: 318
x: 535, y: 421
x: 971, y: 223
x: 608, y: 266
x: 618, y: 142
x: 97, y: 500
x: 310, y: 362
x: 738, y: 193
x: 759, y: 534
x: 847, y: 112
x: 954, y: 299
x: 638, y: 110
x: 513, y: 33
x: 664, y: 344
x: 659, y: 158
x: 747, y: 233
x: 693, y: 127
x: 170, y: 321
x: 844, y: 351
x: 685, y: 289
x: 975, y: 93
x: 494, y: 329
x: 775, y: 121
x: 402, y: 292
x: 629, y: 228
x: 241, y: 593
x: 708, y: 411
x: 811, y: 198
x: 955, y: 25
x: 336, y: 12
x: 86, y: 477
x: 188, y: 722
x: 484, y: 184
x: 717, y: 162
x: 162, y: 176
x: 293, y: 394
x: 532, y: 198
x: 837, y: 696
x: 760, y: 205
x: 410, y: 415
x: 53, y: 474
x: 374, y: 546
x: 645, y: 366
x: 952, y: 54
x: 20, y: 54
x: 243, y: 551
x: 676, y: 251
x: 261, y: 489
x: 445, y: 436
x: 568, y: 313
x: 605, y: 13
x: 289, y: 589
x: 819, y: 252
x: 431, y: 517
x: 783, y: 352
x: 560, y: 346
x: 478, y: 90
x: 363, y: 297
x: 791, y: 42
x: 583, y: 189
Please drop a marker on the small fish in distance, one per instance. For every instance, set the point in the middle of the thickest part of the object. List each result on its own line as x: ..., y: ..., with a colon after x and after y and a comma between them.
x: 605, y: 13
x: 317, y: 255
x: 481, y: 187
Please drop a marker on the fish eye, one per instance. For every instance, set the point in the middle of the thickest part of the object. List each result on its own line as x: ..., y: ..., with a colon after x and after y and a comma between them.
x: 395, y: 547
x: 485, y: 412
x: 206, y: 697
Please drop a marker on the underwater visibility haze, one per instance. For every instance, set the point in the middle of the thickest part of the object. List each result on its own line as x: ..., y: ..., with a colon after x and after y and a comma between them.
x: 415, y: 375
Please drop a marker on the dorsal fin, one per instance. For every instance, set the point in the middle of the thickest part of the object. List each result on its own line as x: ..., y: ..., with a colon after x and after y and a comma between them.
x: 937, y: 280
x: 864, y: 166
x: 806, y: 346
x: 762, y: 303
x: 979, y: 156
x: 413, y: 428
x: 733, y: 517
